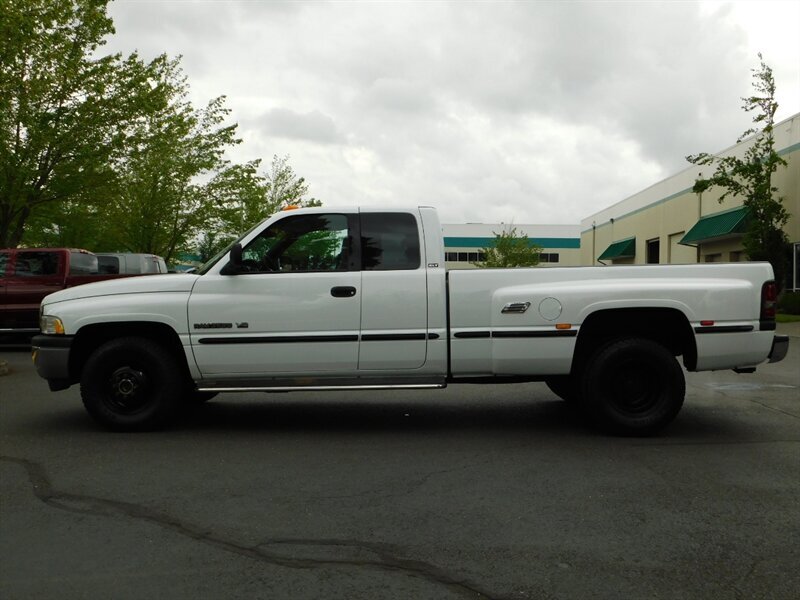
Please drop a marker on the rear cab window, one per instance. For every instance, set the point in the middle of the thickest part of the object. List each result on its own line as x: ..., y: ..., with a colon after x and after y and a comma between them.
x: 108, y: 265
x: 4, y: 259
x: 389, y: 242
x: 82, y: 263
x: 32, y: 263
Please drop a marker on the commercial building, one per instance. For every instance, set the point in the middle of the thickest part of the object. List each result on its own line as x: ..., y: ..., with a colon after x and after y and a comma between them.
x: 464, y: 244
x: 668, y: 223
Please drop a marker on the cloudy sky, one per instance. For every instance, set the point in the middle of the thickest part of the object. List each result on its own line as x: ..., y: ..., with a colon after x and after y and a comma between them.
x: 525, y: 112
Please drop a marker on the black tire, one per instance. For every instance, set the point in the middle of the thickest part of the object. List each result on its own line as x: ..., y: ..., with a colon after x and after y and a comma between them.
x: 565, y: 387
x: 633, y: 387
x: 132, y: 384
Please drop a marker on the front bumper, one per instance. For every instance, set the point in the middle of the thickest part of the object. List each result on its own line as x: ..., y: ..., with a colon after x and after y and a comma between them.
x: 780, y: 346
x: 50, y: 355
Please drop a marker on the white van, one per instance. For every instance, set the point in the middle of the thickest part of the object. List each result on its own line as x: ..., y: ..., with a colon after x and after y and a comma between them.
x: 129, y: 263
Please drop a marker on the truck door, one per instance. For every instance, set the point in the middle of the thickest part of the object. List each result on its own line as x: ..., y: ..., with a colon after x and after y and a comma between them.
x: 5, y: 317
x: 293, y: 308
x: 34, y: 275
x: 394, y: 302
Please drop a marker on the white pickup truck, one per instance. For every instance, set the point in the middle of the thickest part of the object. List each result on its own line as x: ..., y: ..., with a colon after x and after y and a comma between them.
x: 321, y: 299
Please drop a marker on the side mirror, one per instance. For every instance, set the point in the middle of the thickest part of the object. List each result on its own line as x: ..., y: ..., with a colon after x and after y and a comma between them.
x: 234, y: 265
x: 236, y: 255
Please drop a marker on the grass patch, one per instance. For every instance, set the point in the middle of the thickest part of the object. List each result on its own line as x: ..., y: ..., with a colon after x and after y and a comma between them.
x: 782, y: 318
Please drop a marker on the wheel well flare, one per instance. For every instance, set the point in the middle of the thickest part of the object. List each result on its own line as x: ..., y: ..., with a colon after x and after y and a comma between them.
x: 91, y: 337
x: 668, y: 327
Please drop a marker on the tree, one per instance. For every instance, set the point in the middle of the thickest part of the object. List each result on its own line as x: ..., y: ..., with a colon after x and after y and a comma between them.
x: 750, y: 178
x: 164, y: 193
x: 64, y: 114
x: 510, y: 250
x: 251, y: 197
x: 284, y: 187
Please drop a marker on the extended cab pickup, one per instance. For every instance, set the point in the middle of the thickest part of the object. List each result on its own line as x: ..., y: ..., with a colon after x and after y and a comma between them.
x: 29, y: 274
x: 319, y: 299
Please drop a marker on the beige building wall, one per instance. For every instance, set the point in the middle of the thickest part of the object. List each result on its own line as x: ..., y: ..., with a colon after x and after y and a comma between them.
x: 668, y: 209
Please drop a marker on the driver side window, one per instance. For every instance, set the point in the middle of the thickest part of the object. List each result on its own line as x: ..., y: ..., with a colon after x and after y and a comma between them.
x: 305, y: 243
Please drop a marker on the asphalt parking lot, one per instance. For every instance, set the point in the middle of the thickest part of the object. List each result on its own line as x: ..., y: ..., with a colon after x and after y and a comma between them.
x: 471, y: 492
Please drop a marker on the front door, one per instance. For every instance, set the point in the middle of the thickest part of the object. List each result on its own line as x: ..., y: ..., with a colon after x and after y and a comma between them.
x: 294, y: 307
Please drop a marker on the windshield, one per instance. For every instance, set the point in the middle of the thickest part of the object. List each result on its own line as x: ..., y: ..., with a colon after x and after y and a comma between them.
x: 204, y: 268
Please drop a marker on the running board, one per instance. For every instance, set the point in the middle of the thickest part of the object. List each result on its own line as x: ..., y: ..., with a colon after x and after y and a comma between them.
x: 325, y: 388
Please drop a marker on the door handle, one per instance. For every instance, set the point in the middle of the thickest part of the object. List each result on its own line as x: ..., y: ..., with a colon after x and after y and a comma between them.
x: 343, y: 291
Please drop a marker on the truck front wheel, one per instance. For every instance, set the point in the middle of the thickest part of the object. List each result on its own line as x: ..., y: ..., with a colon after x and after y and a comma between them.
x: 633, y: 386
x: 131, y: 384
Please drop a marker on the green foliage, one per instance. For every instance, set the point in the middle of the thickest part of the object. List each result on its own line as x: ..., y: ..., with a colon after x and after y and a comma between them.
x: 108, y: 153
x: 510, y: 250
x: 161, y: 200
x: 210, y: 243
x: 64, y: 113
x: 284, y: 187
x: 750, y: 178
x: 248, y: 198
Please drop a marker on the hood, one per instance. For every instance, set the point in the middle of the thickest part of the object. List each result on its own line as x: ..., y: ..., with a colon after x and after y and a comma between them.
x: 143, y: 284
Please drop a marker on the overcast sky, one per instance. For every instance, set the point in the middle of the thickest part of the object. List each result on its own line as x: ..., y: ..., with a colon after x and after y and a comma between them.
x: 525, y: 112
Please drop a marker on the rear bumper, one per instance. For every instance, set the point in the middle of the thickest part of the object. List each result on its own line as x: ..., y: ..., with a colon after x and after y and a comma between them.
x: 780, y: 346
x: 50, y: 354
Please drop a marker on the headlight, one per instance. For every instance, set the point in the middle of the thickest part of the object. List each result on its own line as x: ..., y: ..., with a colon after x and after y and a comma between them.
x: 51, y: 325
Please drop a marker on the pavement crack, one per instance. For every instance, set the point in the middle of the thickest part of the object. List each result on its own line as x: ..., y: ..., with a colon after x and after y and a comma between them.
x: 773, y: 408
x: 283, y: 552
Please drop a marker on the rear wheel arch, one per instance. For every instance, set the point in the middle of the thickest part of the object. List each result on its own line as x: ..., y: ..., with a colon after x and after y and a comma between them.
x: 668, y: 327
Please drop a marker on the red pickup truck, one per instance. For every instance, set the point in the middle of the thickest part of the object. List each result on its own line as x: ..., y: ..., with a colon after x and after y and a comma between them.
x: 28, y: 274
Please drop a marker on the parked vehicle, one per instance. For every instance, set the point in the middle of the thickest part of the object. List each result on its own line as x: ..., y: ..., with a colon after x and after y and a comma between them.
x: 320, y: 299
x: 29, y: 274
x: 130, y: 263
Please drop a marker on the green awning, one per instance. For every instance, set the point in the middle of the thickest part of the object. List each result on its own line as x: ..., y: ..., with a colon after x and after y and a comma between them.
x: 621, y: 249
x: 717, y: 226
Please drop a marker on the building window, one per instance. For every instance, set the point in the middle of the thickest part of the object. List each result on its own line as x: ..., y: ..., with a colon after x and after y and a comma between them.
x: 737, y: 256
x: 654, y: 251
x: 713, y: 258
x: 549, y: 257
x: 465, y: 257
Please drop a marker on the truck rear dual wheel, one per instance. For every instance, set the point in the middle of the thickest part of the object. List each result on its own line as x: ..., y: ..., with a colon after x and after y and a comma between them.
x: 633, y: 386
x: 131, y: 384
